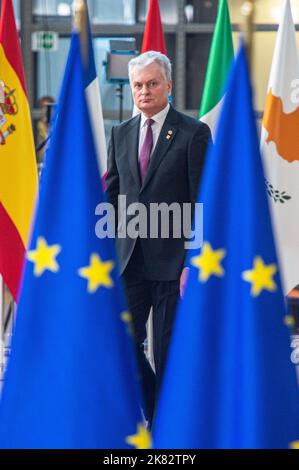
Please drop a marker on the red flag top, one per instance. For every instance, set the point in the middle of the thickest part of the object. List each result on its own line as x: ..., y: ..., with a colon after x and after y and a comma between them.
x: 153, y: 39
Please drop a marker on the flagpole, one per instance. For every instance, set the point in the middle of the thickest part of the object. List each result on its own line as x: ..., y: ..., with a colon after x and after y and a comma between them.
x: 80, y: 9
x: 80, y: 23
x: 248, y: 10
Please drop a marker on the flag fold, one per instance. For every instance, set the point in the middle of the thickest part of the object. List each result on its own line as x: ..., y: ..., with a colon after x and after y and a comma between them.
x: 221, y: 56
x: 18, y: 171
x: 280, y: 147
x: 71, y: 380
x: 229, y: 381
x: 153, y: 38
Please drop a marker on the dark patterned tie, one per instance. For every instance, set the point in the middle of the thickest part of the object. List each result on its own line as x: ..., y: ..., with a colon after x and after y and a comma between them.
x: 145, y: 152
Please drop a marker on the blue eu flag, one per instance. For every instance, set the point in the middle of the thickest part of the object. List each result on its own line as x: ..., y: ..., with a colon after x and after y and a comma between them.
x: 229, y: 381
x: 71, y: 380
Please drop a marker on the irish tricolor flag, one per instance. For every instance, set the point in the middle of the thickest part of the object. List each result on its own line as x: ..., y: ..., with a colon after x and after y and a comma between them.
x: 280, y: 147
x: 18, y: 173
x: 220, y: 58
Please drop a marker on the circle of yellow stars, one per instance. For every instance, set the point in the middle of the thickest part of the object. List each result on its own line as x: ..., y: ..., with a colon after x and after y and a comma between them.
x: 97, y: 273
x: 260, y: 276
x: 208, y: 263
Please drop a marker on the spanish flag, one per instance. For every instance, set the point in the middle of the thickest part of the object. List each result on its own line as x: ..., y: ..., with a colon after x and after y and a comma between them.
x: 18, y: 172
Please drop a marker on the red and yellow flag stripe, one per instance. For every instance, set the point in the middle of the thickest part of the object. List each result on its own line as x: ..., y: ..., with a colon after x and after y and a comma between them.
x: 18, y: 172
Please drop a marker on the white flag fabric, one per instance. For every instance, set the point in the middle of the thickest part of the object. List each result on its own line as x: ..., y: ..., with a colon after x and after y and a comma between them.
x: 97, y: 121
x: 280, y: 147
x: 94, y: 103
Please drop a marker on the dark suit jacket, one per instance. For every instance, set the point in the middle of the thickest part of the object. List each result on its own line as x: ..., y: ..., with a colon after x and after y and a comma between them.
x: 173, y: 176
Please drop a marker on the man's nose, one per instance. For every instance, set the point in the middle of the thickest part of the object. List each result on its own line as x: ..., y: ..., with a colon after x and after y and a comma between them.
x: 144, y: 89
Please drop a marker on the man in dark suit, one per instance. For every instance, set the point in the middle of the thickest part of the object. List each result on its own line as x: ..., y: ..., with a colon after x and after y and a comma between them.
x: 155, y: 157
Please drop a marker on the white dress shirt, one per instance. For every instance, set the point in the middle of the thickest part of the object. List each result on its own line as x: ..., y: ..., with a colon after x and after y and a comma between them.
x: 159, y: 119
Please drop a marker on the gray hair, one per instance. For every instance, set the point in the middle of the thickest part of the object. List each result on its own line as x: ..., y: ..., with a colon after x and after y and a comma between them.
x: 148, y: 58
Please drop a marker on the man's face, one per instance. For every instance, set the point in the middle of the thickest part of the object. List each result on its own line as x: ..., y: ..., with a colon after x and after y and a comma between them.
x: 150, y: 88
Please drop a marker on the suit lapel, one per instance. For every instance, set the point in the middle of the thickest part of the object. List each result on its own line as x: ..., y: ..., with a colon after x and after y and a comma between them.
x: 165, y: 139
x: 132, y: 143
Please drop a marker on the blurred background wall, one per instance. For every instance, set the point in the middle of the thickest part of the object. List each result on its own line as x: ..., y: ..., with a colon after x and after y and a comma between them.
x: 188, y: 26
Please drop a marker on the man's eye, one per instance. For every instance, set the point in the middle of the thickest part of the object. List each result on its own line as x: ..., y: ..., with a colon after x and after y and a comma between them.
x: 137, y: 86
x: 153, y: 84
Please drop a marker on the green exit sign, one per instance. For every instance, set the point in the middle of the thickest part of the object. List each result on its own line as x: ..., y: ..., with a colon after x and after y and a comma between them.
x: 44, y: 40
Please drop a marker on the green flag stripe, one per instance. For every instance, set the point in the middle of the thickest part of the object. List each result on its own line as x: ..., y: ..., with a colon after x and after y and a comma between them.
x: 219, y: 62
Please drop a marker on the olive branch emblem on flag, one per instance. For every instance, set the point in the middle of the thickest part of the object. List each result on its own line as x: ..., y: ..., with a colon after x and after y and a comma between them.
x: 276, y: 195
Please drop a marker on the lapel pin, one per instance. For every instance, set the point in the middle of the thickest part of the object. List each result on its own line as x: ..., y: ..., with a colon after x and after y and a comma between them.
x: 169, y: 134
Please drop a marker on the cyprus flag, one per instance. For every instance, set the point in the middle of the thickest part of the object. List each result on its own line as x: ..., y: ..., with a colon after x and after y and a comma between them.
x: 280, y: 147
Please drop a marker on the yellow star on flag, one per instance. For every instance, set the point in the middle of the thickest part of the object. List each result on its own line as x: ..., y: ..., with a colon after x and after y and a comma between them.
x: 289, y: 320
x: 98, y: 273
x: 261, y: 276
x: 43, y: 257
x: 127, y: 318
x: 208, y: 262
x: 294, y: 445
x: 141, y: 440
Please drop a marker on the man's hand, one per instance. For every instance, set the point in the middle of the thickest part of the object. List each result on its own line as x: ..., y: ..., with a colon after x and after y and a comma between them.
x: 183, y: 281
